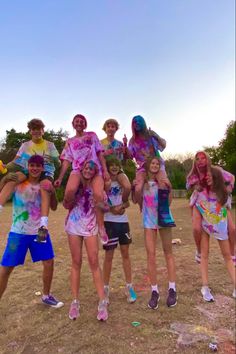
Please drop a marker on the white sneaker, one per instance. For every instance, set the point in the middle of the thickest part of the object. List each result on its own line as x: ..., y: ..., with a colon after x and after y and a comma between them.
x: 207, y: 295
x: 234, y: 294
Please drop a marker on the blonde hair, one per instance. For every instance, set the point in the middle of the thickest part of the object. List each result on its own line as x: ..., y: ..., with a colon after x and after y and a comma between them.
x: 110, y: 121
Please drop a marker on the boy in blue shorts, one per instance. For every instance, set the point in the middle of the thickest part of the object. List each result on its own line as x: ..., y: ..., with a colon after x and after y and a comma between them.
x: 24, y: 231
x: 117, y: 228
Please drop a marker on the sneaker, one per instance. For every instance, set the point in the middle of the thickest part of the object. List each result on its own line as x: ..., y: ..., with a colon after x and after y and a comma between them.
x: 102, y: 311
x: 198, y: 257
x: 207, y: 295
x: 106, y: 291
x: 42, y: 234
x: 234, y: 294
x: 74, y: 310
x: 131, y: 295
x: 171, y: 298
x: 50, y: 300
x: 153, y: 302
x: 103, y: 236
x: 234, y: 260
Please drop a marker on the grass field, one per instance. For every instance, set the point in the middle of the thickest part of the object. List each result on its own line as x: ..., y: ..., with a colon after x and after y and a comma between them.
x: 27, y: 326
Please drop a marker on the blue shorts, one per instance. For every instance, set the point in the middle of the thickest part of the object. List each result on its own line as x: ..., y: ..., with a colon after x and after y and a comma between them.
x: 18, y: 245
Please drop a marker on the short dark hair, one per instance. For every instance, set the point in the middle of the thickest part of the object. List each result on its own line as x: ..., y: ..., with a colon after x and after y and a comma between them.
x: 36, y: 159
x: 35, y: 124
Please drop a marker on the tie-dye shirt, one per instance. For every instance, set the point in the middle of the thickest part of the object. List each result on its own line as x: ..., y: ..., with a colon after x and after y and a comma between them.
x: 115, y: 198
x: 142, y: 148
x: 81, y: 220
x: 214, y: 216
x: 80, y: 149
x: 43, y: 148
x: 115, y: 146
x: 26, y: 204
x: 150, y: 205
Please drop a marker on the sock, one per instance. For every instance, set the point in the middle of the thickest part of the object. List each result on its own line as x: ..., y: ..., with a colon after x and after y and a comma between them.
x: 44, y: 221
x: 1, y: 207
x: 45, y: 296
x: 75, y: 301
x: 155, y: 288
x: 205, y: 287
x: 106, y: 287
x: 172, y: 285
x: 129, y: 285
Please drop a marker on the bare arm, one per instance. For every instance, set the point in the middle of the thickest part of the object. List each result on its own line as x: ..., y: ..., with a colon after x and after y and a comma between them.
x: 64, y: 167
x: 104, y: 166
x: 161, y: 141
x: 53, y: 200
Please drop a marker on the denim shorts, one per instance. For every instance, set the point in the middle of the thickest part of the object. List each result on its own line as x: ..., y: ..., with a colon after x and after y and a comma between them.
x: 18, y: 245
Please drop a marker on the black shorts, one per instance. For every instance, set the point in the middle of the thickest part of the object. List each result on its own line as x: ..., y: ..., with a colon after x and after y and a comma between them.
x: 118, y: 232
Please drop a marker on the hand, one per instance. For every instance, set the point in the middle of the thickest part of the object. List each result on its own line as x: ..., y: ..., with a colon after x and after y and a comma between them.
x: 125, y: 140
x: 57, y: 183
x: 209, y: 179
x: 117, y: 210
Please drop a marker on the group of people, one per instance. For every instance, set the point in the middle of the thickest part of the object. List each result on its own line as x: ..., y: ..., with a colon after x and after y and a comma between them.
x: 97, y: 195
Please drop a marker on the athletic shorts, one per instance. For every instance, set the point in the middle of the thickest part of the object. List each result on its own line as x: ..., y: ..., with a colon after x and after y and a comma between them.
x: 118, y: 232
x: 18, y: 245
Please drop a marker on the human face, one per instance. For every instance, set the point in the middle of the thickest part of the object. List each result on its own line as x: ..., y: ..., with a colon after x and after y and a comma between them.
x: 111, y: 129
x: 79, y: 124
x: 138, y: 123
x: 201, y: 160
x: 89, y: 170
x: 114, y: 169
x: 36, y: 134
x: 154, y: 166
x: 35, y: 169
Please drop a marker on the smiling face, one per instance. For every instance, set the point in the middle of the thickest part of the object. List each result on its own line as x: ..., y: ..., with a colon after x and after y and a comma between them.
x: 89, y: 170
x: 154, y: 166
x: 113, y: 169
x: 79, y: 123
x: 35, y: 169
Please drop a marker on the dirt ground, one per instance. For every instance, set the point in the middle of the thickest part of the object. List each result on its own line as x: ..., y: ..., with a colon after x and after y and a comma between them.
x: 27, y: 326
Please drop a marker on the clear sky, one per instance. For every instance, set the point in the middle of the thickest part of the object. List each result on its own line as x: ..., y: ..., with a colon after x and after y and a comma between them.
x: 171, y: 61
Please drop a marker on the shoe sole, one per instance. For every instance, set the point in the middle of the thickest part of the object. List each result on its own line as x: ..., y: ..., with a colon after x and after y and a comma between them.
x: 174, y: 303
x: 58, y: 306
x: 211, y: 300
x: 154, y: 308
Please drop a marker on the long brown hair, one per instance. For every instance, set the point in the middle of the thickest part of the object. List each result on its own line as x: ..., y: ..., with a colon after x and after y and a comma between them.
x: 218, y: 185
x: 195, y: 170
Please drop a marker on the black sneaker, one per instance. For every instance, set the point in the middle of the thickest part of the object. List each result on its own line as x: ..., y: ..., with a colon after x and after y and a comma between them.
x: 172, y: 298
x: 153, y: 302
x: 42, y: 235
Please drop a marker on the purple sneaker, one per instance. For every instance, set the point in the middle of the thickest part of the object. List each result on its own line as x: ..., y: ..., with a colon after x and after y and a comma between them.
x: 50, y: 300
x: 171, y: 298
x: 153, y: 302
x: 74, y: 310
x: 102, y: 311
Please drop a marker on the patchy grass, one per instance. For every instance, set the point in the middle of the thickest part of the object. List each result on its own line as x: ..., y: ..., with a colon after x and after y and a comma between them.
x: 29, y: 327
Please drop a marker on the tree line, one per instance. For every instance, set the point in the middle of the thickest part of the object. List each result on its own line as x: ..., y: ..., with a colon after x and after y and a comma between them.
x: 177, y: 168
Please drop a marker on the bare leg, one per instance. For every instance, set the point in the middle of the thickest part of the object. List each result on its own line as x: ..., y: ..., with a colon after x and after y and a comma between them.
x: 204, y: 258
x: 197, y: 228
x: 138, y: 192
x: 225, y: 250
x: 91, y: 244
x: 124, y: 249
x: 75, y: 244
x: 71, y: 189
x: 48, y: 266
x: 126, y: 186
x: 4, y: 276
x: 232, y: 232
x: 166, y: 239
x: 107, y: 266
x: 150, y: 244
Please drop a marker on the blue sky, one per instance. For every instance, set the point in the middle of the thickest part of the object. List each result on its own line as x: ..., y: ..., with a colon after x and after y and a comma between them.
x: 171, y: 61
